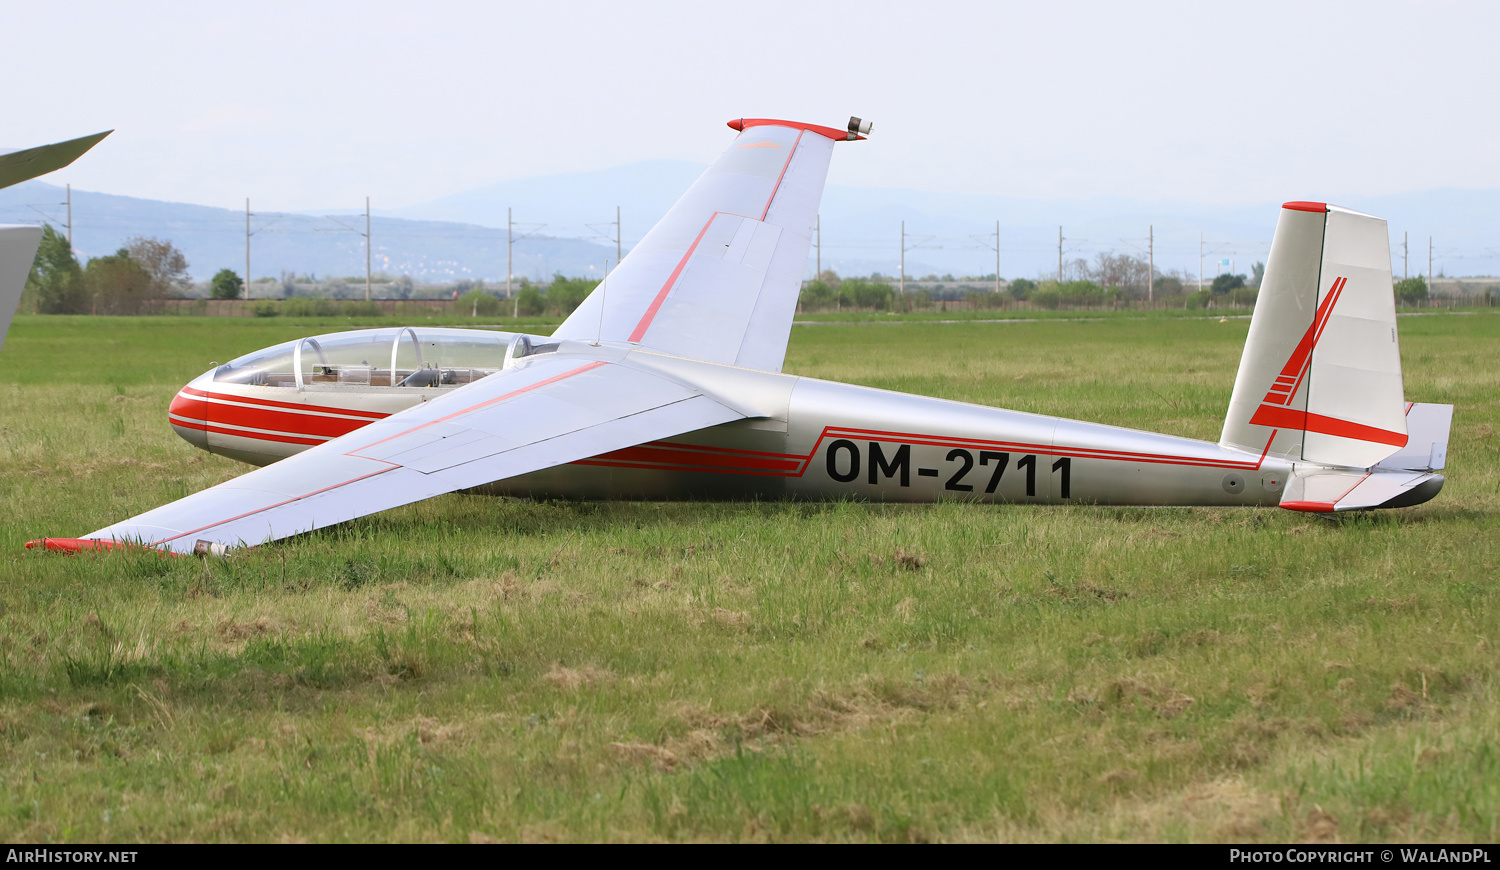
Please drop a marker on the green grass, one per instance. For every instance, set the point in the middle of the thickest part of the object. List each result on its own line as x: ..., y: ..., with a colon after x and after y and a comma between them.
x: 473, y: 668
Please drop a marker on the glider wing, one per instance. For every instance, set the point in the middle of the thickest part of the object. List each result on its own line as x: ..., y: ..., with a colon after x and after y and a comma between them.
x: 545, y: 411
x: 19, y: 166
x: 718, y: 278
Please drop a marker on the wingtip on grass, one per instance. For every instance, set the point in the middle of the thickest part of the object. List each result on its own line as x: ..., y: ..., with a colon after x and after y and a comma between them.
x: 73, y: 546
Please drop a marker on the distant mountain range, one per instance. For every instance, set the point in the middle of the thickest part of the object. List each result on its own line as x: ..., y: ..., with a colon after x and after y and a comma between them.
x: 214, y: 238
x: 565, y: 224
x: 862, y: 225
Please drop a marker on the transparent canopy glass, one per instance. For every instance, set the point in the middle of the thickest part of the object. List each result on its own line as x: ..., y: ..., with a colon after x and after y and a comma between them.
x: 402, y: 357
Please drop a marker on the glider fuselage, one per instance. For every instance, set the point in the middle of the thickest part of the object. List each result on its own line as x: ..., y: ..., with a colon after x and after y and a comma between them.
x: 804, y: 439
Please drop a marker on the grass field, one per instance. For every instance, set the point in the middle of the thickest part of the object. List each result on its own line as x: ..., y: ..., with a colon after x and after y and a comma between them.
x: 476, y: 669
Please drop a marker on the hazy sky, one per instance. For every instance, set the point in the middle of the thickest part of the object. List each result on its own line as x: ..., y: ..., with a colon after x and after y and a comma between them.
x: 315, y: 104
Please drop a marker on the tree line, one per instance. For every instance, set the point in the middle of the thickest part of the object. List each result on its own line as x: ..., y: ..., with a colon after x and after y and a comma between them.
x: 125, y: 282
x: 146, y: 269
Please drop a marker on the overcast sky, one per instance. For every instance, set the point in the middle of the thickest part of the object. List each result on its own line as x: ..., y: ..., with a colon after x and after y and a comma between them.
x: 309, y: 104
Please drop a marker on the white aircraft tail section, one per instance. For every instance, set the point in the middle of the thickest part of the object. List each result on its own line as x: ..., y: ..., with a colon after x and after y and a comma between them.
x: 1427, y: 439
x: 1318, y: 489
x: 17, y: 251
x: 1320, y: 378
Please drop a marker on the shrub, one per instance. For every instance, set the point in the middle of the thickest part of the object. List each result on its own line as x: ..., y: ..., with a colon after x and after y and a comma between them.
x: 866, y: 294
x: 1226, y: 283
x: 985, y: 299
x: 301, y: 306
x: 267, y: 308
x: 1411, y: 291
x: 818, y: 296
x: 529, y: 302
x: 1046, y: 296
x: 226, y: 284
x: 1167, y: 286
x: 1085, y: 293
x: 477, y: 302
x: 566, y: 294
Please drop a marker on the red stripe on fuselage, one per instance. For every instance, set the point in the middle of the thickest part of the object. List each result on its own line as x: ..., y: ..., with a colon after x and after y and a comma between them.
x: 664, y: 456
x: 284, y: 421
x: 293, y: 406
x: 673, y: 457
x: 257, y: 436
x: 188, y: 406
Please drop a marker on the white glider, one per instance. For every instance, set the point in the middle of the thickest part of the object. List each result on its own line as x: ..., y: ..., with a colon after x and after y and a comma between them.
x: 666, y: 384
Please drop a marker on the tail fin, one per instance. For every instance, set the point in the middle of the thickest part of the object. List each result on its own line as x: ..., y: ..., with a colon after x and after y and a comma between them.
x: 1320, y: 379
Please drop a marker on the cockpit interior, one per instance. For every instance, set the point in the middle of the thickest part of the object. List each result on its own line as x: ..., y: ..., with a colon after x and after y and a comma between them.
x: 401, y: 357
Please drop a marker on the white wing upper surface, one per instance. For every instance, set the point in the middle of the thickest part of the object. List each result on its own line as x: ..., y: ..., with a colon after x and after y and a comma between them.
x: 546, y: 411
x: 718, y: 278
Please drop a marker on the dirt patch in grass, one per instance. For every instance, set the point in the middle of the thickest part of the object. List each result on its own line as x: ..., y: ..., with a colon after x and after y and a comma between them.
x: 1230, y: 809
x: 230, y: 631
x: 699, y: 732
x: 736, y: 619
x: 573, y: 679
x: 1132, y: 694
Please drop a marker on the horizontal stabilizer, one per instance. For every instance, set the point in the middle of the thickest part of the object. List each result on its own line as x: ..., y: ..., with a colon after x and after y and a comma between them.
x: 1427, y: 439
x: 1325, y: 490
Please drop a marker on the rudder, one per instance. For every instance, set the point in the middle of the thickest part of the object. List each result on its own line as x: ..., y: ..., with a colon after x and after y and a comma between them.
x: 1320, y: 377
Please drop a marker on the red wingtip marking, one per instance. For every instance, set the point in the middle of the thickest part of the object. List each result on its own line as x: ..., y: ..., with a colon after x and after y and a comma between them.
x: 1311, y: 507
x: 79, y: 545
x: 1298, y: 205
x: 746, y: 123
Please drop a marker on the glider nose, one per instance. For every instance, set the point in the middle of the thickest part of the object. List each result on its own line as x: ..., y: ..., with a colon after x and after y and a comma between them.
x: 188, y: 414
